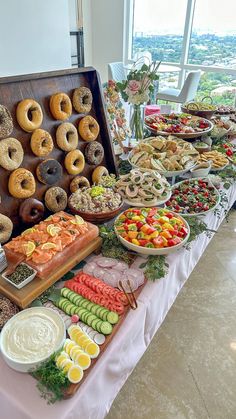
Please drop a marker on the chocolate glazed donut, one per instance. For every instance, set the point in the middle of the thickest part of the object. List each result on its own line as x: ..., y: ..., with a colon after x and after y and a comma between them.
x: 31, y: 211
x: 49, y: 171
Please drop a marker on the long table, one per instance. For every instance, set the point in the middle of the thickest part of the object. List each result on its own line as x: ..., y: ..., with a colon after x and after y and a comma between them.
x: 19, y: 397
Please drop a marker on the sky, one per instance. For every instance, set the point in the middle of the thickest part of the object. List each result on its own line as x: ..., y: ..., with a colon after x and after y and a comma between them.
x: 168, y: 16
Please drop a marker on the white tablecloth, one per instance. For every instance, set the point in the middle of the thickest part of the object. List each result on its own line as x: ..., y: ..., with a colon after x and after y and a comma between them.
x: 19, y: 397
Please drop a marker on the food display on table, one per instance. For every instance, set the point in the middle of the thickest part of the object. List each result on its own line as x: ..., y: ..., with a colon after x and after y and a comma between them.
x: 193, y: 197
x: 143, y: 188
x: 221, y: 127
x: 169, y: 156
x: 202, y: 109
x: 46, y: 245
x: 225, y: 110
x: 111, y: 271
x: 31, y: 337
x: 229, y: 149
x: 179, y: 124
x: 96, y: 203
x: 21, y: 276
x: 151, y: 230
x: 219, y: 160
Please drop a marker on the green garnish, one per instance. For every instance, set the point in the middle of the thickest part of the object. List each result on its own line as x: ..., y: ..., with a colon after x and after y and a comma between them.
x: 111, y: 246
x: 52, y: 382
x: 155, y: 268
x: 96, y: 191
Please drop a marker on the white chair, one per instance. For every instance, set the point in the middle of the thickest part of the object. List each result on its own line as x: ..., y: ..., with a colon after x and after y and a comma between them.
x: 185, y: 94
x: 116, y: 71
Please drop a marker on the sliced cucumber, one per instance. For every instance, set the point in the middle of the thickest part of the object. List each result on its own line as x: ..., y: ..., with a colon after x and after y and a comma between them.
x: 112, y: 317
x: 98, y: 326
x: 106, y: 328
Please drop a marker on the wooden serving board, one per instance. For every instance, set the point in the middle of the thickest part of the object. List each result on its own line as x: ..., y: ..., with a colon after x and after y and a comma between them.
x: 73, y: 388
x: 23, y: 297
x: 40, y: 86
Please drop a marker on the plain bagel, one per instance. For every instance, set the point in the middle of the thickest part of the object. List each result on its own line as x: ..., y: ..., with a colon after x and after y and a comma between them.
x: 11, y: 153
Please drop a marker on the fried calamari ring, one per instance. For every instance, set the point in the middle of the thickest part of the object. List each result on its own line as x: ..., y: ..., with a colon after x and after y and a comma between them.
x: 74, y: 162
x: 41, y: 143
x: 21, y: 183
x: 82, y: 100
x: 11, y: 153
x: 60, y: 106
x: 29, y: 115
x: 67, y: 137
x: 88, y: 128
x: 6, y: 122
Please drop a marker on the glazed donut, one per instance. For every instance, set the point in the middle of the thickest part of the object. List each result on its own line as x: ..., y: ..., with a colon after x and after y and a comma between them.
x: 82, y: 100
x: 88, y: 128
x: 74, y: 162
x: 41, y: 143
x: 6, y: 228
x: 6, y: 122
x: 21, y: 183
x: 31, y: 211
x: 94, y: 153
x: 11, y: 153
x: 79, y: 182
x: 98, y: 173
x: 49, y: 171
x: 7, y: 310
x: 56, y: 199
x: 29, y: 115
x: 67, y: 137
x: 60, y: 106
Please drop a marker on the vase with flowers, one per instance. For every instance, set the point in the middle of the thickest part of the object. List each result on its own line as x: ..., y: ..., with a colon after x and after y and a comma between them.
x: 136, y: 90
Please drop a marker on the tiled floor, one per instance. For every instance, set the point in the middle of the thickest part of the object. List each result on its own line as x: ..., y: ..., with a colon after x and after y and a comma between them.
x: 189, y: 370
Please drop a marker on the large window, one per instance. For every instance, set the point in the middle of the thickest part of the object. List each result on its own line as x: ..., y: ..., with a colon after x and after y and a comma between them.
x: 192, y: 34
x: 162, y: 37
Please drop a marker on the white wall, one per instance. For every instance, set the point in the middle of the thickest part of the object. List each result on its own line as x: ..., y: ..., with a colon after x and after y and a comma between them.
x: 34, y: 36
x: 103, y: 31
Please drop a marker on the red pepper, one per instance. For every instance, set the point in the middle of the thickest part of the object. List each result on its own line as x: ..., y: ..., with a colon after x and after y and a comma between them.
x: 229, y: 152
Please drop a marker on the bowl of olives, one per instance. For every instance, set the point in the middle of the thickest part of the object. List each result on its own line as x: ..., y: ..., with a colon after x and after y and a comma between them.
x: 202, y: 109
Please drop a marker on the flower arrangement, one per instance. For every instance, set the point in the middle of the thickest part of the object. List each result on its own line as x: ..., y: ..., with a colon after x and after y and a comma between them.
x: 139, y: 85
x: 137, y: 90
x: 116, y: 114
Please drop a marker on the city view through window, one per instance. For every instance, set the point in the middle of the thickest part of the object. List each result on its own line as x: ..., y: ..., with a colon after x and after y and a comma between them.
x: 159, y: 29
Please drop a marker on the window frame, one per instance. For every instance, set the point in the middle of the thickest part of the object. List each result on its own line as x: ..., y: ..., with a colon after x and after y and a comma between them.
x: 183, y: 64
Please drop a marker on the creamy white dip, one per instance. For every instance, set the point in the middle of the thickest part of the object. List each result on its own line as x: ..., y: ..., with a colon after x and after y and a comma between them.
x: 32, y: 335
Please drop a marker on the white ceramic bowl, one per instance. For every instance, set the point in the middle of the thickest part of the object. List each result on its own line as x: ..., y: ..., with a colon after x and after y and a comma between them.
x: 37, y: 320
x: 199, y: 171
x: 150, y: 251
x: 23, y: 283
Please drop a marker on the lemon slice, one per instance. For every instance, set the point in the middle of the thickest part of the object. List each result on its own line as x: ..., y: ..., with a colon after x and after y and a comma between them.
x: 29, y: 248
x: 83, y: 360
x: 78, y: 220
x: 75, y: 374
x: 92, y: 349
x: 28, y: 231
x: 53, y: 230
x: 47, y: 246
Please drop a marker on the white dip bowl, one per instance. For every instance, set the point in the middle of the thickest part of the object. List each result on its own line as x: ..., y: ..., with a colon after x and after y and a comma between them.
x: 31, y: 337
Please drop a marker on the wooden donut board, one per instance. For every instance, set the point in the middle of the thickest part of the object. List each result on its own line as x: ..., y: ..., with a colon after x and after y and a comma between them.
x: 40, y: 86
x: 24, y: 296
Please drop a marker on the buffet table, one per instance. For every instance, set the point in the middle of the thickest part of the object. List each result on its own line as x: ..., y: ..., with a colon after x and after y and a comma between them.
x: 19, y: 397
